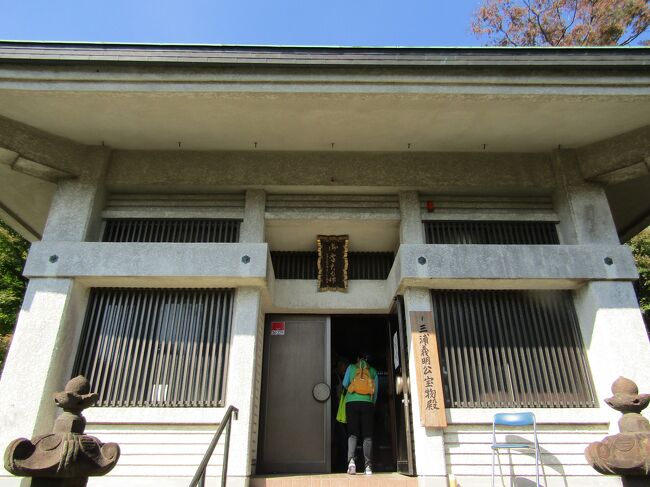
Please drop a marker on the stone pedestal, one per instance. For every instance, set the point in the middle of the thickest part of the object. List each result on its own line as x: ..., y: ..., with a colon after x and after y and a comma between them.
x: 627, y: 453
x: 66, y: 457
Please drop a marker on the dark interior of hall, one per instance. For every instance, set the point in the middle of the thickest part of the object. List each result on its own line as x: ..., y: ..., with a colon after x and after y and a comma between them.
x: 350, y: 335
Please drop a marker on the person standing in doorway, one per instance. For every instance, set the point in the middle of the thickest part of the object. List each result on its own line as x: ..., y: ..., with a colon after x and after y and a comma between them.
x: 361, y: 383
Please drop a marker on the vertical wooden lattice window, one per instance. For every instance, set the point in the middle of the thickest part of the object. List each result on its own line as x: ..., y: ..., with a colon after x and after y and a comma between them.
x: 509, y: 349
x: 172, y: 230
x: 302, y: 265
x: 156, y: 347
x: 491, y: 232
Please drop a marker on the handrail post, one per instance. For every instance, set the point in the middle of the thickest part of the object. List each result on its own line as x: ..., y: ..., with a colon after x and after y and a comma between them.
x: 199, y: 478
x: 226, y: 450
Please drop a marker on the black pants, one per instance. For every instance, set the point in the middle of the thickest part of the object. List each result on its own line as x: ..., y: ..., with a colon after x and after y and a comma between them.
x: 361, y: 421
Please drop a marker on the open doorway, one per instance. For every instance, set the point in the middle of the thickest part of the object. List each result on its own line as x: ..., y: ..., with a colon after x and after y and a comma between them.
x: 349, y: 335
x: 298, y: 432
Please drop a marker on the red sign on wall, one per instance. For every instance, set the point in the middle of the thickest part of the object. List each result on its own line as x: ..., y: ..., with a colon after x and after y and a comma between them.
x: 277, y: 328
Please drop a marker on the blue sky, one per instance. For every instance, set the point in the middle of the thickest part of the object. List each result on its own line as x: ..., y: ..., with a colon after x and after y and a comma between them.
x: 295, y: 22
x: 276, y: 22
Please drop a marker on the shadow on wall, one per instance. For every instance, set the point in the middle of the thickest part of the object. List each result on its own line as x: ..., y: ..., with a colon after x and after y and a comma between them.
x: 552, y: 463
x: 612, y: 301
x: 519, y: 482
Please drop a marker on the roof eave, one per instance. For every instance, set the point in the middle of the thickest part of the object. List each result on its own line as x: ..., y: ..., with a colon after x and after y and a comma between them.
x: 86, y: 52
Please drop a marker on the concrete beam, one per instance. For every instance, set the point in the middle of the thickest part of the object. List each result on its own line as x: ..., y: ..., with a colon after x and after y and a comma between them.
x: 32, y: 163
x: 190, y: 265
x: 24, y: 201
x: 291, y: 295
x: 511, y: 266
x: 617, y: 159
x: 444, y: 266
x: 630, y: 206
x: 39, y: 153
x: 19, y: 224
x: 640, y: 224
x: 77, y: 204
x: 445, y: 172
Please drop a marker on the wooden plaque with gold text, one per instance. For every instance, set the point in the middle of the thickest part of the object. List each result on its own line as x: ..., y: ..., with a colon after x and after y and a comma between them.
x: 332, y: 262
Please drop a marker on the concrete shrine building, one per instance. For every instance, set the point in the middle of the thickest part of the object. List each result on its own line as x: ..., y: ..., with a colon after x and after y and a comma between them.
x: 174, y: 196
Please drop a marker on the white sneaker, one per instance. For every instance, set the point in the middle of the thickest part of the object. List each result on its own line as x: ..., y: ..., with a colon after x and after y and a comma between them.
x: 352, y: 467
x: 368, y: 470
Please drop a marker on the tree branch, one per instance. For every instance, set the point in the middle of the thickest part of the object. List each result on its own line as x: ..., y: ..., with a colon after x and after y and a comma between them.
x: 573, y: 19
x: 631, y: 38
x: 508, y: 38
x: 591, y: 21
x: 505, y: 33
x: 538, y: 22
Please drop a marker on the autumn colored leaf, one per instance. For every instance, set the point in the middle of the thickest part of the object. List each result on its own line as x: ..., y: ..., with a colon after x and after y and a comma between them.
x: 561, y: 22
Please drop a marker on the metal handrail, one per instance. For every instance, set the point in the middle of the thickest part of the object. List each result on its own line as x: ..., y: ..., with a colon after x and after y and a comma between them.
x: 199, y: 477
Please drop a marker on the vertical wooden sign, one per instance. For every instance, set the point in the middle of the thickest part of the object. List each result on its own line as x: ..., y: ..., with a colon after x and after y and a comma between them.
x: 427, y: 366
x: 332, y: 262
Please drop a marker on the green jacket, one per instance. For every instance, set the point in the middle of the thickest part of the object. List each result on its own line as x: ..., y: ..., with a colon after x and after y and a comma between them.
x: 353, y: 396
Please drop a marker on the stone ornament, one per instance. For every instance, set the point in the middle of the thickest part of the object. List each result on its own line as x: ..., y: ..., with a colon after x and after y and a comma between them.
x: 66, y: 457
x: 628, y: 453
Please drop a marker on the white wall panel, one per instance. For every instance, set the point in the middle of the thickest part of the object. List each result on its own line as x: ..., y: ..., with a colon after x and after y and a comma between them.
x: 468, y: 453
x: 169, y: 453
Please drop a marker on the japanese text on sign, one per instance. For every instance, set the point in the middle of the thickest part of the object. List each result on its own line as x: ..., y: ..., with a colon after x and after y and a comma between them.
x: 429, y: 381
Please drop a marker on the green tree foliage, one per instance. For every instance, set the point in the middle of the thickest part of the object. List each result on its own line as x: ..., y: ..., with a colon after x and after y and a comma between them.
x: 640, y: 246
x: 13, y: 251
x: 561, y: 22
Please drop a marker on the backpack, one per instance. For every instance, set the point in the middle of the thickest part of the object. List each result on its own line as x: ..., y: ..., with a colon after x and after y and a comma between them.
x: 362, y: 383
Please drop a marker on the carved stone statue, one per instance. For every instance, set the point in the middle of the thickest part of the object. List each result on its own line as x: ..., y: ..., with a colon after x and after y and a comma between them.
x: 627, y: 453
x: 66, y: 457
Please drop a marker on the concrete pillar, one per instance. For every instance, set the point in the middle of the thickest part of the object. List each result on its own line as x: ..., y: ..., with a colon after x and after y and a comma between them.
x: 39, y: 360
x: 614, y: 336
x: 76, y: 207
x: 410, y: 228
x: 242, y: 359
x: 252, y: 229
x: 429, y: 443
x: 585, y: 216
x: 608, y: 312
x: 42, y: 352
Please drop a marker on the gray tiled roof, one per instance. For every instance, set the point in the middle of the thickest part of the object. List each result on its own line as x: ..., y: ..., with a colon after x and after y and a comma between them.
x: 60, y: 52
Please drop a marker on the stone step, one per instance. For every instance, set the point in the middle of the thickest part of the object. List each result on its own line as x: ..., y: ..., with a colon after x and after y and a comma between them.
x: 334, y: 480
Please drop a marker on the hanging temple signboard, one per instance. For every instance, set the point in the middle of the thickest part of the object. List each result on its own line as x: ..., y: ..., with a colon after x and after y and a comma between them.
x: 427, y: 366
x: 332, y: 262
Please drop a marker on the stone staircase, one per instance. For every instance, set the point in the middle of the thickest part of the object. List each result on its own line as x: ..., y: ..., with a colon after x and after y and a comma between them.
x: 334, y: 480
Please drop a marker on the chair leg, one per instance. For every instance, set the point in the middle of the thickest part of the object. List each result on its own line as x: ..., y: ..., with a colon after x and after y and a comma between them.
x: 493, y: 452
x: 536, y: 465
